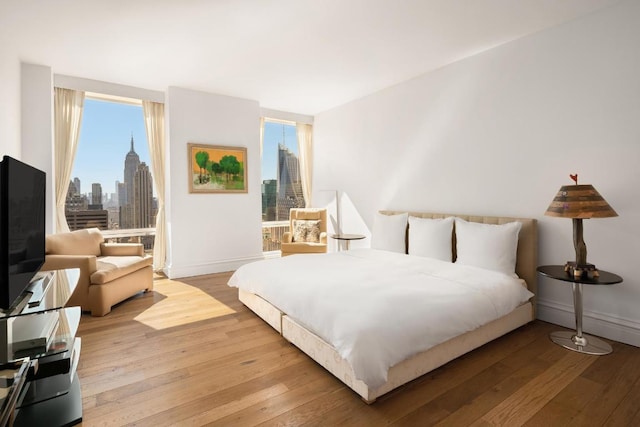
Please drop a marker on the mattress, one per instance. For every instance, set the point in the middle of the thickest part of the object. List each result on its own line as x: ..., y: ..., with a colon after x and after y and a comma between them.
x: 378, y: 308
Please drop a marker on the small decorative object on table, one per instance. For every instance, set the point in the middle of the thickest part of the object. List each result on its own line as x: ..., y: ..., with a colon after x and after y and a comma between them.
x: 579, y: 202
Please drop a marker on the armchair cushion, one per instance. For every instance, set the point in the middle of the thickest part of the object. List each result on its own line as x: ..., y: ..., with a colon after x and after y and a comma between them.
x: 79, y: 242
x: 112, y: 267
x: 303, y: 248
x: 308, y: 213
x: 121, y: 249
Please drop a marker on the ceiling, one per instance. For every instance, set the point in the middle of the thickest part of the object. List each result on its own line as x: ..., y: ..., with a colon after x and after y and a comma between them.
x: 301, y: 56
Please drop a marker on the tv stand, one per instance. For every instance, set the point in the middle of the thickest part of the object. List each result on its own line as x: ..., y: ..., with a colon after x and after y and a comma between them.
x: 39, y: 354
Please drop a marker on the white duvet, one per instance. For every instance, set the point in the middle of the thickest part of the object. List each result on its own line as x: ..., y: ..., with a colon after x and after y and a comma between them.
x: 377, y: 308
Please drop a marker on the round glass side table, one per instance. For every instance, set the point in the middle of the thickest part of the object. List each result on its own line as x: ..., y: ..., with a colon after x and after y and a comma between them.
x: 579, y: 341
x: 346, y: 238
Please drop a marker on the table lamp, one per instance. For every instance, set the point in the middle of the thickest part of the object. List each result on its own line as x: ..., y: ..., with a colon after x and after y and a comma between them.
x: 579, y: 202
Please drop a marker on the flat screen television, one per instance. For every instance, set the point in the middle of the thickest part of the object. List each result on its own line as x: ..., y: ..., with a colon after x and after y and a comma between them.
x: 22, y: 227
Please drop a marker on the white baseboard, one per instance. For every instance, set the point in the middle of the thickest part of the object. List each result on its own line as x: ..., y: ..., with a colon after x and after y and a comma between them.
x: 594, y: 323
x: 176, y: 272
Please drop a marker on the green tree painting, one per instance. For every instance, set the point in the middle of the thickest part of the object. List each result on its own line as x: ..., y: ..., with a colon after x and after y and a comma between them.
x: 217, y: 169
x: 202, y: 158
x: 230, y: 166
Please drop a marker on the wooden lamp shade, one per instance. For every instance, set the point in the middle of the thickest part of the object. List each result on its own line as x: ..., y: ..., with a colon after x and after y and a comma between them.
x: 580, y: 202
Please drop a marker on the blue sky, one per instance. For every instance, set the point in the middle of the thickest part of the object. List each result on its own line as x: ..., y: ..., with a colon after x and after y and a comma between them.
x: 105, y: 140
x: 105, y: 137
x: 272, y: 137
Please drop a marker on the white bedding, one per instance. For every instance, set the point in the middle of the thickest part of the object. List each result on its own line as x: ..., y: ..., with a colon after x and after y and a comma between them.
x: 377, y: 308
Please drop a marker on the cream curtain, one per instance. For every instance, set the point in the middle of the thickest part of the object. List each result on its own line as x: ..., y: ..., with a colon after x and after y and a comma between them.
x: 304, y: 132
x: 154, y: 123
x: 68, y: 106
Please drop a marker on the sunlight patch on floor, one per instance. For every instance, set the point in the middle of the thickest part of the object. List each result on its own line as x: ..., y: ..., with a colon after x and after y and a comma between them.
x: 181, y: 304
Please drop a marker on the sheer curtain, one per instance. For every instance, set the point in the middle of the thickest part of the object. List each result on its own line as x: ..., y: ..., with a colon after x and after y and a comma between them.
x: 154, y: 123
x: 67, y: 109
x: 304, y: 132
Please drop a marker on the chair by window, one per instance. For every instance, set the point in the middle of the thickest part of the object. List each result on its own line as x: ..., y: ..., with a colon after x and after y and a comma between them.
x: 109, y: 272
x: 307, y: 232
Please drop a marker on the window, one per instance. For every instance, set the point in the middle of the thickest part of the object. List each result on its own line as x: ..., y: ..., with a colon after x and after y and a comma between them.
x: 281, y: 181
x: 112, y: 185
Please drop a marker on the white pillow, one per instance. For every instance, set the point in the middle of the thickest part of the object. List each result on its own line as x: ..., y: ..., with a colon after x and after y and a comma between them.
x: 431, y: 237
x: 390, y: 232
x: 489, y: 246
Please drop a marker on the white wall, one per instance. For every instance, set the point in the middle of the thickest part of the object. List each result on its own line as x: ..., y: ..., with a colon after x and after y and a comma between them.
x: 107, y: 88
x: 212, y: 232
x: 9, y: 102
x: 37, y: 127
x: 498, y: 134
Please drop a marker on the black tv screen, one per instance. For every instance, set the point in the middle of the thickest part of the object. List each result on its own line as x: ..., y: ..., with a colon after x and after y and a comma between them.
x: 22, y: 227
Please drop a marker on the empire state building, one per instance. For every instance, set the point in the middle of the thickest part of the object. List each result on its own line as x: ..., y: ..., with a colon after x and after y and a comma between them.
x: 131, y: 163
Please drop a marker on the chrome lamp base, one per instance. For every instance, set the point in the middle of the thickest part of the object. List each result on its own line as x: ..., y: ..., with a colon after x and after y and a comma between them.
x: 582, y: 344
x: 577, y: 341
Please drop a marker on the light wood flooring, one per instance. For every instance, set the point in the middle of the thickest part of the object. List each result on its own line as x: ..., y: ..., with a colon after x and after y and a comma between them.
x: 191, y: 354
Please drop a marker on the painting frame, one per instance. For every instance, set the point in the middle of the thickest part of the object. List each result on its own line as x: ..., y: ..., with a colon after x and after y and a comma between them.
x: 225, y: 177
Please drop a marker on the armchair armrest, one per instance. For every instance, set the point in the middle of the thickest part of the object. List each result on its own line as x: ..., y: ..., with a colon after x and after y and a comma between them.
x: 87, y: 266
x: 287, y: 237
x: 86, y: 263
x: 323, y: 237
x: 121, y: 249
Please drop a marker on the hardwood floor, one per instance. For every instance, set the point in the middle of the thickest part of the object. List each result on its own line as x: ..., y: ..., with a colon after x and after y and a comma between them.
x: 191, y: 354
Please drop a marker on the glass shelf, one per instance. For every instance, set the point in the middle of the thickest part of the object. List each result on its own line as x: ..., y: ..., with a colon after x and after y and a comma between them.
x: 38, y: 348
x: 14, y: 375
x: 49, y: 328
x: 47, y: 291
x: 68, y: 320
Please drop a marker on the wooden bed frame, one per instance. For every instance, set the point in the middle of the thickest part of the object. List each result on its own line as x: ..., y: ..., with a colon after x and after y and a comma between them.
x: 421, y: 363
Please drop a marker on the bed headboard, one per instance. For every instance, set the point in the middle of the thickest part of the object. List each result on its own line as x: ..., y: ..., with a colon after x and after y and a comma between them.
x: 527, y: 256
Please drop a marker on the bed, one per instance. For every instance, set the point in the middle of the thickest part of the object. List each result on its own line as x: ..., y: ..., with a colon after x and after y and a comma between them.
x: 328, y: 348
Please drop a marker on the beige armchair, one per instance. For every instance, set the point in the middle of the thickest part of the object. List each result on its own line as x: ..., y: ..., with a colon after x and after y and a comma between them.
x: 307, y: 232
x: 109, y: 272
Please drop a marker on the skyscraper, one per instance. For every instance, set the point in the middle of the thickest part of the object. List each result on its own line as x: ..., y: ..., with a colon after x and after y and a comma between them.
x: 76, y: 182
x: 82, y: 214
x: 289, y: 184
x: 143, y: 197
x: 121, y: 193
x: 269, y: 199
x: 75, y: 201
x: 72, y: 191
x: 131, y: 163
x: 96, y: 196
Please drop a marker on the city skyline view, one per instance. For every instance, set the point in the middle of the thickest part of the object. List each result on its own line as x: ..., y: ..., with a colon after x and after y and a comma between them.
x: 105, y: 137
x: 273, y: 135
x: 93, y: 203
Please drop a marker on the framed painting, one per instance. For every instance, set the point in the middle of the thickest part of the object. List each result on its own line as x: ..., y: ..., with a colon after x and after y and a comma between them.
x: 217, y: 169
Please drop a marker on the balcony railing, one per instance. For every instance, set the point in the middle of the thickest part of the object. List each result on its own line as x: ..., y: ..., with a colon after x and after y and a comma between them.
x: 272, y: 233
x: 146, y: 236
